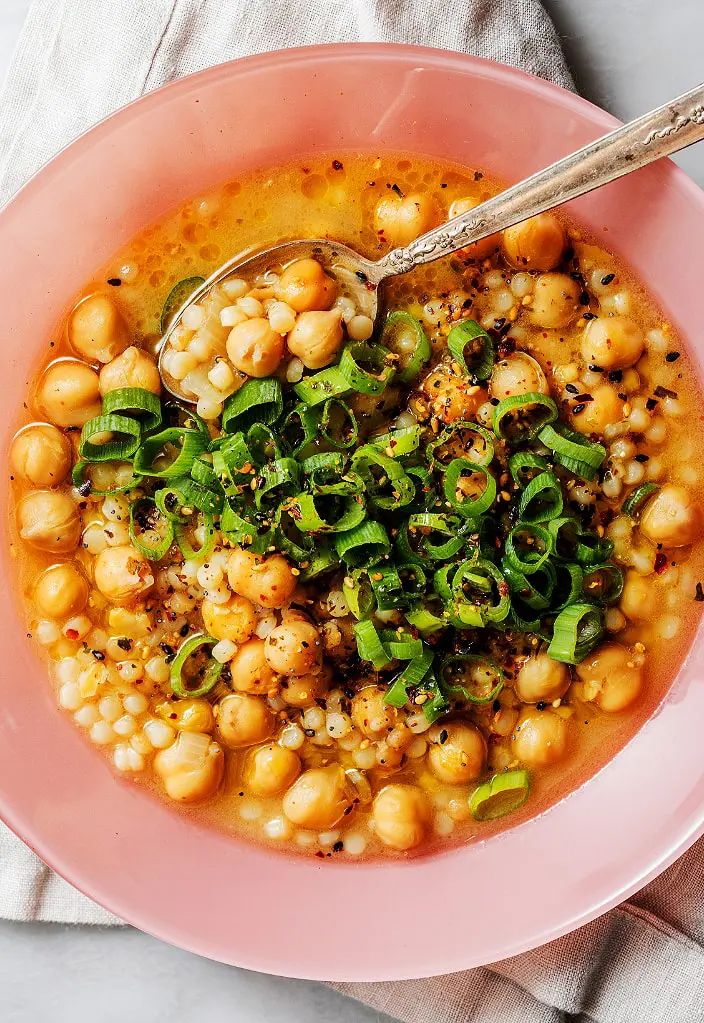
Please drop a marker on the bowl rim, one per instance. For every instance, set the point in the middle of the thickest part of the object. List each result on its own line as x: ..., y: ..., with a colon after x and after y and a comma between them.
x: 293, y: 962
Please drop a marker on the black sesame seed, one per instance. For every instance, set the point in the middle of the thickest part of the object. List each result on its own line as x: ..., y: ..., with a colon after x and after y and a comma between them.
x: 672, y: 357
x: 607, y: 279
x: 616, y: 376
x: 338, y: 846
x: 596, y: 369
x: 588, y: 316
x: 114, y: 282
x: 336, y: 165
x: 650, y: 404
x: 572, y: 388
x: 310, y: 732
x: 98, y: 654
x: 124, y: 643
x: 540, y: 705
x: 642, y: 458
x: 699, y: 594
x: 443, y: 736
x: 579, y: 408
x: 184, y: 630
x: 584, y: 298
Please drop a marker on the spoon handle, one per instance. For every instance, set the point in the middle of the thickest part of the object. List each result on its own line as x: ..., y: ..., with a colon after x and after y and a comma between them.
x: 663, y: 131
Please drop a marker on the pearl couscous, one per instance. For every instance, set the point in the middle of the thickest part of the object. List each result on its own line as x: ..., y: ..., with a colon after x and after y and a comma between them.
x: 379, y: 588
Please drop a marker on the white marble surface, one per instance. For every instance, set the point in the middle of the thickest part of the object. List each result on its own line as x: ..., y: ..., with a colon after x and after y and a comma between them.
x: 626, y: 56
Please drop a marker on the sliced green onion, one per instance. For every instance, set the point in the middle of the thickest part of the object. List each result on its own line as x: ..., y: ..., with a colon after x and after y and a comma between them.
x: 572, y: 450
x: 528, y: 547
x: 534, y: 590
x: 401, y: 645
x: 542, y: 499
x: 317, y: 388
x: 192, y: 443
x: 117, y: 449
x: 179, y: 294
x: 144, y: 519
x: 524, y: 465
x: 472, y: 347
x: 473, y: 676
x: 413, y: 579
x: 603, y: 582
x: 387, y: 485
x: 358, y: 594
x: 300, y: 428
x: 277, y: 480
x: 364, y: 545
x: 327, y: 473
x: 256, y: 536
x: 189, y: 552
x: 521, y: 416
x: 633, y: 504
x: 404, y: 336
x: 502, y: 794
x: 435, y: 704
x: 468, y: 505
x: 366, y: 367
x: 338, y: 424
x: 369, y: 645
x: 462, y: 439
x: 428, y: 617
x: 480, y: 594
x: 136, y: 402
x: 323, y: 558
x: 211, y: 673
x: 263, y: 442
x: 257, y: 401
x: 323, y: 513
x: 430, y: 535
x: 569, y: 585
x: 577, y: 630
x: 233, y: 464
x: 412, y: 676
x: 202, y: 472
x: 178, y: 499
x: 397, y: 443
x: 386, y: 585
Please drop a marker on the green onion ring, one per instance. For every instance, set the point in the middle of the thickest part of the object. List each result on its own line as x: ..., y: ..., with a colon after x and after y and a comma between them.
x: 541, y: 500
x: 192, y: 444
x: 115, y: 450
x: 516, y: 408
x: 577, y: 630
x: 470, y: 507
x: 317, y: 388
x: 156, y: 551
x: 399, y: 329
x: 369, y: 645
x: 504, y: 793
x: 212, y: 674
x: 481, y: 355
x: 135, y: 402
x: 412, y: 676
x: 473, y: 662
x: 364, y: 545
x: 352, y: 367
x: 257, y: 401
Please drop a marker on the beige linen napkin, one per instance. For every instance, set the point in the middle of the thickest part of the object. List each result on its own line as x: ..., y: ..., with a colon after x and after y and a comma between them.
x: 78, y: 60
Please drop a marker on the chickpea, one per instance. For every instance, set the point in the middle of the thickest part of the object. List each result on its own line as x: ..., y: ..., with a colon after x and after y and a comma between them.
x: 271, y: 769
x: 294, y: 648
x: 555, y: 301
x: 269, y: 582
x: 477, y: 250
x: 517, y: 374
x: 304, y: 690
x: 401, y: 816
x: 398, y: 221
x: 69, y: 393
x: 192, y: 768
x: 540, y: 738
x: 96, y: 330
x: 133, y: 368
x: 188, y: 715
x: 304, y: 285
x: 249, y: 668
x: 452, y: 396
x: 605, y: 409
x: 538, y: 243
x: 41, y: 454
x: 254, y: 348
x: 49, y: 520
x: 316, y: 338
x: 611, y: 677
x: 244, y: 720
x: 541, y: 679
x: 636, y: 597
x: 457, y: 753
x: 612, y: 342
x: 122, y: 574
x: 319, y: 798
x: 234, y: 620
x: 61, y: 591
x: 371, y: 715
x: 673, y: 517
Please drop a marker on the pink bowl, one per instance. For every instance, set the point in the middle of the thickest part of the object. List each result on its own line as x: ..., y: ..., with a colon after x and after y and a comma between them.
x: 155, y: 868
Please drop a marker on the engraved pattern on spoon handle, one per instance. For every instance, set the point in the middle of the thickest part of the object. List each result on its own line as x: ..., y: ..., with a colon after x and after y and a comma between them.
x: 659, y: 133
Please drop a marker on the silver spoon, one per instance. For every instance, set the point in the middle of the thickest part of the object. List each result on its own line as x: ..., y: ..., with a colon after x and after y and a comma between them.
x: 659, y: 133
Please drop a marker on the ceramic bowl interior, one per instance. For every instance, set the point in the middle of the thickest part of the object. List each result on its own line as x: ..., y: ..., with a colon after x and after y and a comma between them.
x: 154, y: 867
